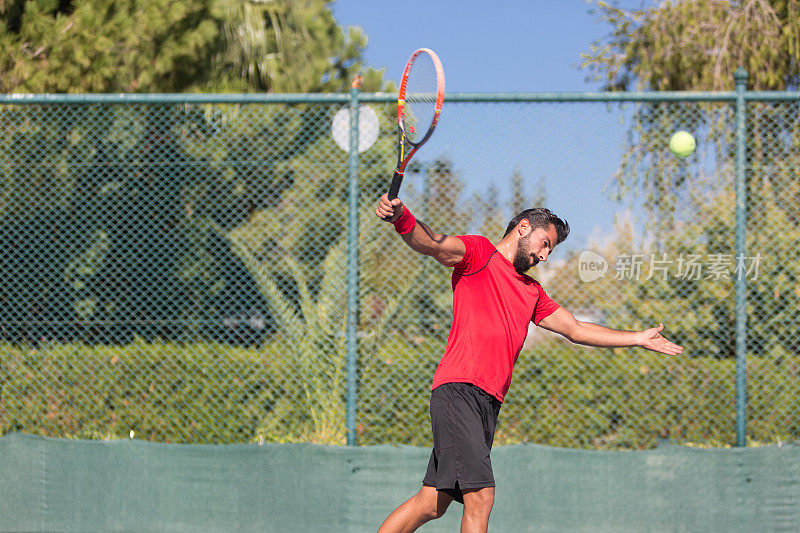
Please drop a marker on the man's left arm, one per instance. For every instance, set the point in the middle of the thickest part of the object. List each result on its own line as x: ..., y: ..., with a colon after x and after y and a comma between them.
x: 563, y: 322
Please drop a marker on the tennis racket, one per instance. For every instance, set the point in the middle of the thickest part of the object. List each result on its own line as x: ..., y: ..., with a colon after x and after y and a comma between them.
x: 419, y: 105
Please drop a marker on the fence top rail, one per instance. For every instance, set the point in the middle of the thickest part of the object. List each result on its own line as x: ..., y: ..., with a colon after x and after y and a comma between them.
x: 343, y: 98
x: 174, y: 98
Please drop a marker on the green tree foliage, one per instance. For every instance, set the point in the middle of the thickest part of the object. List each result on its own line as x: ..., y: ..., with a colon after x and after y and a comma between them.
x: 106, y: 45
x: 152, y: 193
x: 79, y: 46
x: 680, y: 286
x: 491, y: 213
x: 289, y: 46
x: 520, y: 199
x: 697, y: 45
x: 213, y: 394
x: 433, y: 191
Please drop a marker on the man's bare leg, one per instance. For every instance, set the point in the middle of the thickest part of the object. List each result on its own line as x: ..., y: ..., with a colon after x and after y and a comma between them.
x: 477, y: 506
x: 423, y: 507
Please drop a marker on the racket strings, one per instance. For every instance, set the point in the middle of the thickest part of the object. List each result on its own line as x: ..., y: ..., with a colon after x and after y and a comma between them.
x: 420, y: 101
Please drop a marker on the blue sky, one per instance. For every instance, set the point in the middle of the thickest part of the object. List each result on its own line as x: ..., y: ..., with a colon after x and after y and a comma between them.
x: 509, y: 46
x: 502, y: 46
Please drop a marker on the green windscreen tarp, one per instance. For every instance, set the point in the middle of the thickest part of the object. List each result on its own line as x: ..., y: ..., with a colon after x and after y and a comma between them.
x: 68, y: 485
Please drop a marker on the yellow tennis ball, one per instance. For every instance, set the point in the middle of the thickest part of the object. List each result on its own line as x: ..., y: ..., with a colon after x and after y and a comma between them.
x: 682, y: 143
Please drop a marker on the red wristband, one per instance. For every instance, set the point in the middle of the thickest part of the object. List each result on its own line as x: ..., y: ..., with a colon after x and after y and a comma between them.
x: 405, y: 223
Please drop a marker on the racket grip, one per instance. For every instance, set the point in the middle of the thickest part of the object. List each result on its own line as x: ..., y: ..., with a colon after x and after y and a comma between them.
x: 394, y: 188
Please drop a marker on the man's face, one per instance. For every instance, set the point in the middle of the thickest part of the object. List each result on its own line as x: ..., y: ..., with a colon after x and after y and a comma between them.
x: 533, y: 247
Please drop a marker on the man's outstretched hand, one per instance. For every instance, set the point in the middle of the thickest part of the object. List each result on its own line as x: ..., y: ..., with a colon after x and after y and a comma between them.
x: 652, y: 340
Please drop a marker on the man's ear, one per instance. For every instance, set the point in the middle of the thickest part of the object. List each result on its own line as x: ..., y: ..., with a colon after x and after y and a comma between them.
x: 524, y: 227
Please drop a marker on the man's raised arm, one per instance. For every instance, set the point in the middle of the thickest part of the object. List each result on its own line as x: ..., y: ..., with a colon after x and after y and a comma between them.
x: 446, y: 249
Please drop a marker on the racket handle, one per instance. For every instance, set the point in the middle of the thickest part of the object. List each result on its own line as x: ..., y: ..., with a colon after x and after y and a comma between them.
x: 394, y: 188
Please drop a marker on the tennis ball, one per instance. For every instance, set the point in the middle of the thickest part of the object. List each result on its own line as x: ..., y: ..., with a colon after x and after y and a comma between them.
x: 682, y: 143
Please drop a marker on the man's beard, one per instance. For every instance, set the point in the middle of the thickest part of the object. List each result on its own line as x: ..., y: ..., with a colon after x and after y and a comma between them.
x: 522, y: 258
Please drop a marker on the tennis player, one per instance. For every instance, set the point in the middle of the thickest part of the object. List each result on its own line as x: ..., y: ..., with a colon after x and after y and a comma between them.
x: 493, y: 303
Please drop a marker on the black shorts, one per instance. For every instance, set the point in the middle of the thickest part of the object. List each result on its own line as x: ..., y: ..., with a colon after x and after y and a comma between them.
x: 463, y: 418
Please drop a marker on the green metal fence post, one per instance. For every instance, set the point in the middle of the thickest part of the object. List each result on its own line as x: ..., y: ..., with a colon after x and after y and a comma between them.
x: 352, y: 273
x: 741, y: 282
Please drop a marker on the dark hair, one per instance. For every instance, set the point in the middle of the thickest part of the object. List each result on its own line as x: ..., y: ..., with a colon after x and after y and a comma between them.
x: 539, y: 217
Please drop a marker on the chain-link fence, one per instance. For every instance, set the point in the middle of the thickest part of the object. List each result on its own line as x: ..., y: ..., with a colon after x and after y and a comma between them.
x: 175, y: 268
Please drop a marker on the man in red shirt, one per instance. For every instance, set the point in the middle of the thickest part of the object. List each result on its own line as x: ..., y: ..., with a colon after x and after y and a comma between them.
x: 493, y: 303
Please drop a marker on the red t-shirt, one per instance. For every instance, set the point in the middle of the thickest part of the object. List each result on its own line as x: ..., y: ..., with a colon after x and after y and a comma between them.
x: 492, y: 307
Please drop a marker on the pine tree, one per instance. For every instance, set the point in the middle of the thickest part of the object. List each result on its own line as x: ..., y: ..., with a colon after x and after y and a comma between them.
x: 106, y: 45
x: 79, y: 46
